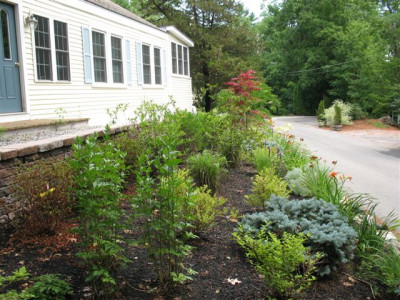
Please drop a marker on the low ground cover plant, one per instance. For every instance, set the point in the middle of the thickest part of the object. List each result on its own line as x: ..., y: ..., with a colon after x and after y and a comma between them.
x: 205, y: 208
x: 328, y: 231
x: 284, y: 261
x: 46, y: 287
x: 266, y: 184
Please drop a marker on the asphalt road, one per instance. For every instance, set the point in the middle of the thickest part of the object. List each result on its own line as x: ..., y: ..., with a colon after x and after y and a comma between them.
x: 373, y: 162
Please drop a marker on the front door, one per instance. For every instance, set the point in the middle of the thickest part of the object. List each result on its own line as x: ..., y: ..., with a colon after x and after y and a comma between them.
x: 10, y: 89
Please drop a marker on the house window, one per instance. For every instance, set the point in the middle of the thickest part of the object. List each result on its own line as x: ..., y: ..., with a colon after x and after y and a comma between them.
x: 49, y: 51
x: 43, y: 49
x: 174, y: 59
x: 62, y: 50
x: 116, y: 53
x: 185, y: 61
x: 180, y: 59
x: 146, y: 64
x: 99, y: 57
x: 157, y: 66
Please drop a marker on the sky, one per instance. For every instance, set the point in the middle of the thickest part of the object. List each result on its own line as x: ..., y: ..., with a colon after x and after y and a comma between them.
x: 254, y: 5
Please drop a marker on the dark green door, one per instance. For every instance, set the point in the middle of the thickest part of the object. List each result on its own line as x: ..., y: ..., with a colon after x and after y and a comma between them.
x: 10, y: 89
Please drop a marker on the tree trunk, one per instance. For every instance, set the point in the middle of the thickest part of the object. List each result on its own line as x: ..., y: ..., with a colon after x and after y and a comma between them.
x: 207, y: 100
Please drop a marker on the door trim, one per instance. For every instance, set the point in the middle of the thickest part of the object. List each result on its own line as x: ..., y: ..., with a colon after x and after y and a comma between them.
x: 20, y: 31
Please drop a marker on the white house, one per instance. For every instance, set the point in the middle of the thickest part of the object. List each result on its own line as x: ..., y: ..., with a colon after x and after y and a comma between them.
x: 84, y: 56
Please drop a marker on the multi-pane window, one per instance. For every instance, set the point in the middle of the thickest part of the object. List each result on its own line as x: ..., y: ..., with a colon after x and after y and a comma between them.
x: 146, y: 64
x: 157, y: 66
x: 62, y: 50
x: 43, y: 49
x: 117, y: 66
x: 180, y: 59
x: 49, y: 51
x: 185, y: 61
x: 174, y: 59
x: 99, y: 57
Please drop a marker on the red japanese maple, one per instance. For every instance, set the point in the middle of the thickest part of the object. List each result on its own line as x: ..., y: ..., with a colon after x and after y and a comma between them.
x: 244, y: 84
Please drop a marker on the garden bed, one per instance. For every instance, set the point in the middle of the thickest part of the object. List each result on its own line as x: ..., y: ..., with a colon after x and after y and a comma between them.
x: 217, y: 258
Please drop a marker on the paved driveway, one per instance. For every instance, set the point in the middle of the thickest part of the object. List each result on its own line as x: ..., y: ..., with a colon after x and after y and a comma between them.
x: 370, y: 157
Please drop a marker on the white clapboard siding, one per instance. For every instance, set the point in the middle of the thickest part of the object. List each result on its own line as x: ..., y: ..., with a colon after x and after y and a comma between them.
x: 81, y: 99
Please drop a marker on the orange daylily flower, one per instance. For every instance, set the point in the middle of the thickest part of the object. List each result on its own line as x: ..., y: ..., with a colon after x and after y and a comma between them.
x: 332, y: 174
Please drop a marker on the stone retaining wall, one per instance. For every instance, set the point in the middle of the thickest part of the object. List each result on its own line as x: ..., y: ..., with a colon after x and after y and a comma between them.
x: 12, y: 157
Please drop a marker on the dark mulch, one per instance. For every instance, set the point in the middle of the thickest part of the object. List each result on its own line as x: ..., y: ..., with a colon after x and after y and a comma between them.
x: 216, y: 258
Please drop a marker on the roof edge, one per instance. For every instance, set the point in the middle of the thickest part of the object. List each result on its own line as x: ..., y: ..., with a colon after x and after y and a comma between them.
x: 178, y: 34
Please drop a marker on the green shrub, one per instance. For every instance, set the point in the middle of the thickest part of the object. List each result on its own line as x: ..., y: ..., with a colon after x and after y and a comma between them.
x: 205, y: 208
x: 158, y: 123
x: 329, y: 232
x: 49, y: 287
x: 337, y: 119
x: 326, y: 184
x: 46, y: 191
x: 284, y: 262
x: 379, y: 260
x: 129, y: 143
x: 164, y: 202
x: 291, y: 152
x: 357, y: 113
x: 99, y: 170
x: 207, y: 168
x: 345, y: 113
x: 321, y: 113
x: 266, y: 184
x: 296, y: 181
x: 384, y: 266
x: 265, y: 157
x: 230, y: 144
x: 201, y: 131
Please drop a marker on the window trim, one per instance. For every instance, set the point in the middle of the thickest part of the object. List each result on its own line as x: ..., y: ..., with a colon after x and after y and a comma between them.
x: 150, y: 64
x: 176, y: 45
x: 63, y: 51
x: 159, y: 66
x: 108, y: 33
x: 153, y: 84
x: 52, y: 51
x: 107, y: 69
x: 122, y: 61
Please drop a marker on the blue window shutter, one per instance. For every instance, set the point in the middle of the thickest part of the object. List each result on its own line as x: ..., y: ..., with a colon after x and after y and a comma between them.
x: 87, y: 54
x: 139, y: 63
x: 164, y: 73
x: 128, y: 61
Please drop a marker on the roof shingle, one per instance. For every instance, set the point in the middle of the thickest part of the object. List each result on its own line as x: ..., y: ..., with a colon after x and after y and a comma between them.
x: 111, y: 6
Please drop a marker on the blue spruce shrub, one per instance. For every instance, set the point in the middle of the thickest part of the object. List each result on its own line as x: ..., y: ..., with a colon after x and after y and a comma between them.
x: 329, y: 233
